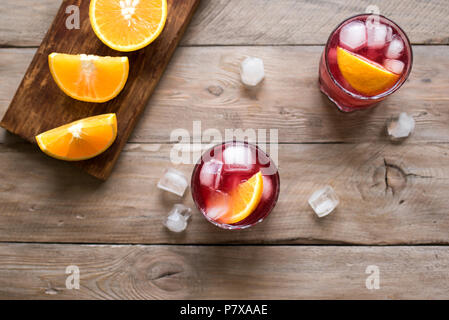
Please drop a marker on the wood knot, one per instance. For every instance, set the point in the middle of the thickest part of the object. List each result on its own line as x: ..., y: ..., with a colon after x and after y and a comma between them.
x: 395, y: 178
x: 164, y: 270
x: 215, y: 90
x: 163, y: 273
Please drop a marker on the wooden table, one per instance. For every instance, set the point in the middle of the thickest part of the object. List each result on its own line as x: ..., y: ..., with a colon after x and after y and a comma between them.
x: 394, y: 210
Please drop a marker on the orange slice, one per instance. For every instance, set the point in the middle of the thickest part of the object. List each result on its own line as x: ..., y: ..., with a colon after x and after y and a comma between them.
x: 365, y: 76
x: 127, y: 25
x: 244, y: 200
x: 80, y: 140
x: 88, y: 77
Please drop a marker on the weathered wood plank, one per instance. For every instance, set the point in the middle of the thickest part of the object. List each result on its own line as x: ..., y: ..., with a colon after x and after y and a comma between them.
x: 203, y: 84
x: 390, y: 194
x: 207, y: 272
x: 236, y: 22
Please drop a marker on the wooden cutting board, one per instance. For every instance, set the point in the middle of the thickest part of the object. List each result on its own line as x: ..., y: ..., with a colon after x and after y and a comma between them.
x: 40, y: 105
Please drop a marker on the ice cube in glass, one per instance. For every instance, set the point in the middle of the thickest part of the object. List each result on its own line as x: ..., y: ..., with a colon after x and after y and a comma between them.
x: 353, y: 35
x: 395, y: 66
x: 210, y: 174
x: 376, y: 35
x: 395, y: 48
x: 238, y: 158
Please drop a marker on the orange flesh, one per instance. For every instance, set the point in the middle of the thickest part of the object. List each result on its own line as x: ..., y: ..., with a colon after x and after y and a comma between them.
x: 87, y: 77
x: 80, y: 140
x: 242, y: 201
x: 365, y: 76
x: 127, y: 25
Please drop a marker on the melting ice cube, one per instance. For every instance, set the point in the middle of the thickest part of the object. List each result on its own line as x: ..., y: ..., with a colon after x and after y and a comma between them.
x: 252, y: 71
x: 401, y: 127
x: 389, y: 36
x: 238, y: 158
x: 217, y: 205
x: 395, y: 48
x: 353, y: 35
x: 267, y: 188
x: 173, y: 181
x: 395, y: 66
x: 324, y: 201
x: 376, y: 35
x: 210, y: 174
x: 178, y: 218
x: 216, y: 212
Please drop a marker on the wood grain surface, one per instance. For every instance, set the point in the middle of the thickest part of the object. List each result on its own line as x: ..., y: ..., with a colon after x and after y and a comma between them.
x: 255, y: 22
x: 394, y: 201
x: 211, y: 272
x: 40, y: 105
x: 203, y: 83
x: 390, y: 194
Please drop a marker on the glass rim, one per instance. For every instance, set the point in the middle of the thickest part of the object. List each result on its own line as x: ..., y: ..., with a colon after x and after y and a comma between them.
x: 396, y: 86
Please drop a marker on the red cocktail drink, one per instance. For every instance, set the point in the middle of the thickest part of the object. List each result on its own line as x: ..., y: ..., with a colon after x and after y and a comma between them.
x: 366, y: 58
x: 235, y: 185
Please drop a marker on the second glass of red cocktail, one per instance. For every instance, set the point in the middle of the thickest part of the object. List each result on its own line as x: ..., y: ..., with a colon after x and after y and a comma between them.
x: 235, y: 185
x: 366, y: 58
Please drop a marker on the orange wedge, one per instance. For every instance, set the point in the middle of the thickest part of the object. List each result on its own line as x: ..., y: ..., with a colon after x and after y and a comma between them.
x: 365, y: 76
x: 88, y: 77
x: 244, y: 200
x: 127, y: 25
x: 80, y: 140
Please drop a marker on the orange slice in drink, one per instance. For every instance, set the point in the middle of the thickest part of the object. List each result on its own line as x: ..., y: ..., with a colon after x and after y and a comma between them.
x: 127, y: 25
x: 88, y: 77
x: 367, y: 77
x: 244, y: 200
x: 80, y: 140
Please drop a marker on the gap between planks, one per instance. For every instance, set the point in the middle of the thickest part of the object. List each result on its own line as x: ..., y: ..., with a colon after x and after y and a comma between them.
x: 268, y: 244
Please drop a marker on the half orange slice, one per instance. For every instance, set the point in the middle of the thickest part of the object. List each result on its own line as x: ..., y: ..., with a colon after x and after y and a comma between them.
x: 88, y: 77
x: 365, y: 76
x: 127, y: 25
x: 80, y: 140
x: 244, y: 200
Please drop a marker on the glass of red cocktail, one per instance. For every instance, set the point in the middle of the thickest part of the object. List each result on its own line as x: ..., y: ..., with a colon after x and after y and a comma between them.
x: 235, y: 185
x: 366, y: 58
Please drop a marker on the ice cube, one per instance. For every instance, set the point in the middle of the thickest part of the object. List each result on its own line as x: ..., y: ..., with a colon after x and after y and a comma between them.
x: 401, y: 127
x: 252, y: 71
x: 395, y: 66
x: 217, y: 205
x: 267, y: 188
x: 238, y: 158
x: 173, y: 181
x: 210, y: 174
x: 216, y: 212
x: 389, y: 36
x: 376, y: 35
x: 178, y: 218
x: 395, y: 48
x: 324, y: 201
x: 353, y: 35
